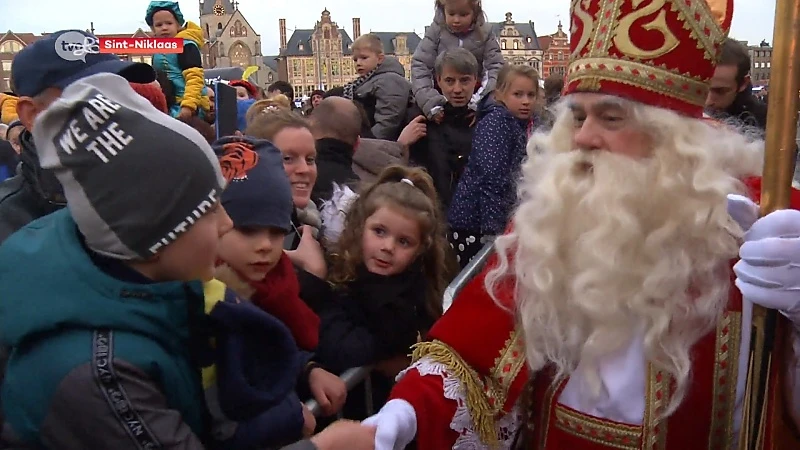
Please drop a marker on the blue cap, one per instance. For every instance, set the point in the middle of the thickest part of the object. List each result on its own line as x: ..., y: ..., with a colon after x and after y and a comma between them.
x: 258, y: 194
x: 67, y: 56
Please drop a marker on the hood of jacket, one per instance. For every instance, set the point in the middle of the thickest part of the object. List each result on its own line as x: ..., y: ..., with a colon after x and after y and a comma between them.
x: 487, y: 105
x: 192, y: 32
x: 72, y: 293
x: 391, y: 64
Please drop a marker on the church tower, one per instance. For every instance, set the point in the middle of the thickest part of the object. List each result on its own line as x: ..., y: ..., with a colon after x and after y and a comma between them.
x: 214, y: 15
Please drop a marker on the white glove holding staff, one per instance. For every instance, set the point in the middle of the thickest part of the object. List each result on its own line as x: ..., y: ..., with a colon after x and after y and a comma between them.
x: 768, y: 273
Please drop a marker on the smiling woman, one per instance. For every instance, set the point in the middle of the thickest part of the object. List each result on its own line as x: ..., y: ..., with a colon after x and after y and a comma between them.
x: 291, y: 134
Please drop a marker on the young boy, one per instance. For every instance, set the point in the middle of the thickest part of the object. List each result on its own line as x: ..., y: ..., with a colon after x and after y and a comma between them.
x: 254, y: 264
x: 107, y: 334
x: 382, y: 87
x: 104, y: 329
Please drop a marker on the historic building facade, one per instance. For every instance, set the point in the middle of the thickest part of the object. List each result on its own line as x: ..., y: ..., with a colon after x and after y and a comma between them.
x: 231, y: 41
x: 519, y: 43
x: 555, y: 53
x: 760, y: 63
x: 321, y: 57
x: 10, y: 44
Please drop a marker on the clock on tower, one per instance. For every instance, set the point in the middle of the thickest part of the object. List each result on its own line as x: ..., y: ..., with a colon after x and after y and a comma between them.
x: 219, y: 10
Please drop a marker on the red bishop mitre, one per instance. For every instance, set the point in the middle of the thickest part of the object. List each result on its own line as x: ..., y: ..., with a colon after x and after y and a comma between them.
x: 480, y: 340
x: 658, y: 52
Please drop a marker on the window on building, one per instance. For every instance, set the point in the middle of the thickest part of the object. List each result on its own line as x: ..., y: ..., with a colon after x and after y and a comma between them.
x: 516, y: 44
x: 219, y: 26
x: 239, y: 30
x: 334, y: 67
x: 301, y: 47
x: 769, y: 65
x: 326, y: 33
x: 296, y: 70
x: 503, y: 44
x: 10, y: 47
x: 6, y: 65
x: 560, y: 55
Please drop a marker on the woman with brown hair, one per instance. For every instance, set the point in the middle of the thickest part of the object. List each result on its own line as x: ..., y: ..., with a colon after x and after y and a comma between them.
x: 291, y: 134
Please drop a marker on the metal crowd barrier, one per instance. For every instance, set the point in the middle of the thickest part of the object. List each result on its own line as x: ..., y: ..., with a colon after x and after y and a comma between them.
x: 469, y: 272
x: 355, y: 376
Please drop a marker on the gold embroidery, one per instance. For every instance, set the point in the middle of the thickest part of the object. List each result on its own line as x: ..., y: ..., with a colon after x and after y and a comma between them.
x: 726, y: 372
x: 606, y: 433
x: 548, y: 403
x: 506, y: 368
x: 481, y: 411
x: 656, y: 79
x: 622, y: 34
x: 601, y: 38
x: 588, y: 27
x: 698, y: 19
x: 657, y: 396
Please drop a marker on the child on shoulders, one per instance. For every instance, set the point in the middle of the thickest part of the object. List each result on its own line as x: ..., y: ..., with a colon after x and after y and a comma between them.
x: 456, y: 24
x: 381, y: 88
x: 184, y: 70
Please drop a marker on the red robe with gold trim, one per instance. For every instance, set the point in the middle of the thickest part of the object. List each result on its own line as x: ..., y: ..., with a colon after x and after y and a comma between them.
x: 466, y: 384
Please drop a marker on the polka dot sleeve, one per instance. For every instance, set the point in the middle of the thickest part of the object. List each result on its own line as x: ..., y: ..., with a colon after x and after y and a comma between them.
x: 493, y: 150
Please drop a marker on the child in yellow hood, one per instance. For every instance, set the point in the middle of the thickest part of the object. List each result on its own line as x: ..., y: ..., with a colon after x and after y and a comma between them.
x: 184, y: 70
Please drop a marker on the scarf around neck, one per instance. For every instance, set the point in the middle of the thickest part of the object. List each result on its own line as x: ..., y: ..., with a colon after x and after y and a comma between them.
x: 350, y: 88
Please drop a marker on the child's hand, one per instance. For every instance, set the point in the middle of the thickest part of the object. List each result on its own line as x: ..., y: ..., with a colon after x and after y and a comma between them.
x: 438, y: 117
x: 309, y: 422
x: 474, y: 118
x: 413, y: 132
x: 308, y: 255
x: 346, y: 435
x: 328, y: 390
x: 185, y: 113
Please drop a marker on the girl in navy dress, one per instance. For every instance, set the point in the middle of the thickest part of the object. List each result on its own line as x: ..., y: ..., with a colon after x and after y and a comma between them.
x: 486, y: 192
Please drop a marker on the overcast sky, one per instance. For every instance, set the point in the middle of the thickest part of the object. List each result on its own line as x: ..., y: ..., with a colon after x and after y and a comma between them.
x: 752, y: 20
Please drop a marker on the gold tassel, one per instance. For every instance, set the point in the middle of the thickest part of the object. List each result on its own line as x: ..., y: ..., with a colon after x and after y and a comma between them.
x: 481, y: 412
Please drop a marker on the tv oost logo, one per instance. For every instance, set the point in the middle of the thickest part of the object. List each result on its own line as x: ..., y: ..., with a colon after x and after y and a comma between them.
x: 74, y: 46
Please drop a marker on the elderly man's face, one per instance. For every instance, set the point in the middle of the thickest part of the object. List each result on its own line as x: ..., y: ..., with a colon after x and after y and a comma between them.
x: 456, y: 87
x: 604, y: 123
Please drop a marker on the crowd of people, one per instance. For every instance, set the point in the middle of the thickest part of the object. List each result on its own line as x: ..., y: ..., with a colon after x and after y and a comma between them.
x: 165, y: 287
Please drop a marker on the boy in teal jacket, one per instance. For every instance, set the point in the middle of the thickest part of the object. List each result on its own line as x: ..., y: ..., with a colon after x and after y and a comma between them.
x: 99, y: 301
x: 184, y: 70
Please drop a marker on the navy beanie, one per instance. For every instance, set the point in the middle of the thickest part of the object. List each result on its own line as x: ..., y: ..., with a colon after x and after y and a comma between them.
x: 258, y: 194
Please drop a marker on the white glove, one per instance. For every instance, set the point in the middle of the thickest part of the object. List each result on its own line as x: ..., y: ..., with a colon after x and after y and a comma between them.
x: 743, y: 210
x: 396, y: 425
x: 768, y: 273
